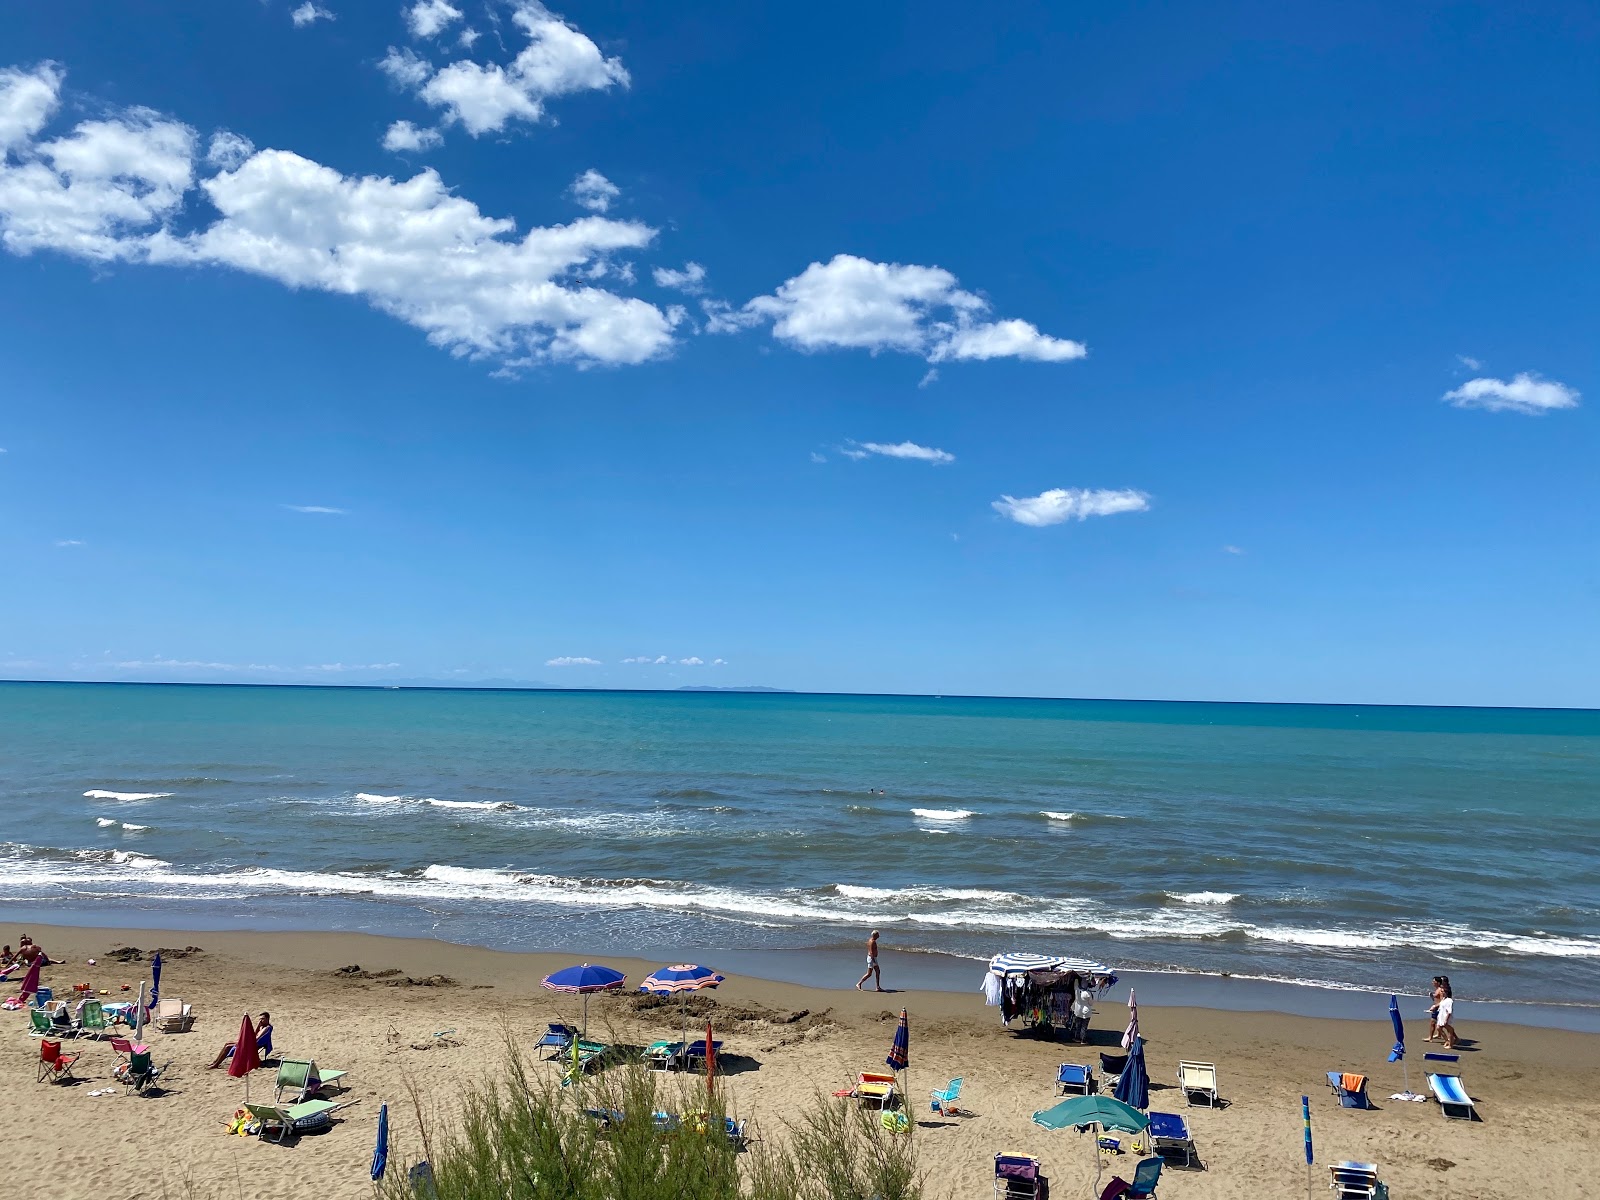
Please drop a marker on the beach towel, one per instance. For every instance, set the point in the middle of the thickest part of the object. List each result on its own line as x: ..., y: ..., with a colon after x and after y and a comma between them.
x: 1351, y: 1082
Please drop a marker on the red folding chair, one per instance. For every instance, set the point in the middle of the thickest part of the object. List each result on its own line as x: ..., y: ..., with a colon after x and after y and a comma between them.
x: 123, y: 1047
x: 54, y: 1066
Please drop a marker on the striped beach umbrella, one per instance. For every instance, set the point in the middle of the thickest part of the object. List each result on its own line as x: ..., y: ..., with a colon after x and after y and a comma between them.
x: 900, y: 1053
x: 1132, y: 1031
x: 680, y: 980
x: 583, y: 980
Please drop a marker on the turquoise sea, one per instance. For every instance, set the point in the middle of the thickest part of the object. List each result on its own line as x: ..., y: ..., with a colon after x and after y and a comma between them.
x: 1365, y: 847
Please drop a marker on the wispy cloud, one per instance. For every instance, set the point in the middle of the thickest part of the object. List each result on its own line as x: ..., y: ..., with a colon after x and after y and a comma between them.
x: 817, y: 457
x: 594, y: 191
x: 1526, y: 393
x: 428, y: 18
x: 690, y: 279
x: 181, y: 664
x: 316, y: 508
x: 719, y: 662
x: 403, y: 137
x: 1232, y: 550
x: 1066, y: 504
x: 929, y: 377
x: 69, y: 542
x: 567, y: 660
x: 1470, y: 363
x: 658, y: 660
x: 860, y: 450
x: 308, y: 14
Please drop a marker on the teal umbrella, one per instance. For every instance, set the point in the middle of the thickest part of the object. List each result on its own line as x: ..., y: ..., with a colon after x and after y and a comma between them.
x: 1105, y: 1111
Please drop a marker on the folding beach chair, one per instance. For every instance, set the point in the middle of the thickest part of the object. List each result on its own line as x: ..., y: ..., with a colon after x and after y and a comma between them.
x: 1111, y: 1068
x: 875, y: 1090
x: 54, y: 1066
x: 1197, y: 1080
x: 122, y: 1047
x: 664, y: 1056
x: 1169, y: 1134
x: 1016, y: 1177
x: 1350, y: 1088
x: 1143, y: 1186
x: 139, y: 1072
x: 945, y: 1102
x: 92, y: 1020
x: 304, y: 1079
x: 1353, y: 1181
x: 1452, y: 1097
x: 695, y: 1052
x: 557, y: 1038
x: 174, y: 1016
x: 590, y: 1055
x: 1073, y: 1079
x: 293, y: 1119
x: 61, y: 1022
x: 39, y: 1023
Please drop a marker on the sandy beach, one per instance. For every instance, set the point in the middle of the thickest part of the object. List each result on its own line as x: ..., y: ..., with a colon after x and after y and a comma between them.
x: 1533, y: 1086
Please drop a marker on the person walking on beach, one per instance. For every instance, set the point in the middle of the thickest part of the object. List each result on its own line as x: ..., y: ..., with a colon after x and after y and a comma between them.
x: 1445, y: 1014
x: 872, y: 963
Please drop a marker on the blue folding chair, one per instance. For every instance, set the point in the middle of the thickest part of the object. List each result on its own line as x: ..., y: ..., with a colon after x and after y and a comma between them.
x: 944, y: 1103
x: 1169, y: 1134
x: 1143, y: 1186
x: 1074, y: 1078
x: 557, y: 1039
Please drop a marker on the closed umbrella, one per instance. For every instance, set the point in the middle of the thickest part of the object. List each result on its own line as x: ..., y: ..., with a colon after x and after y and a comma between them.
x: 1398, y: 1054
x: 899, y: 1057
x: 1105, y: 1111
x: 380, y: 1155
x: 584, y: 980
x: 155, y: 980
x: 711, y: 1062
x: 1133, y: 1085
x: 680, y: 980
x: 1305, y: 1114
x: 245, y: 1056
x: 1132, y: 1031
x: 30, y: 981
x: 140, y: 1013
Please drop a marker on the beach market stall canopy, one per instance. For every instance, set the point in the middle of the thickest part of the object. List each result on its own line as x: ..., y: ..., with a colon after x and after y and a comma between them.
x: 1052, y: 995
x: 1017, y: 962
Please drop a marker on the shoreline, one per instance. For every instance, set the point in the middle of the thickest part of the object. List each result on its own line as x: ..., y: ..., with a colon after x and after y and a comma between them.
x: 915, y: 972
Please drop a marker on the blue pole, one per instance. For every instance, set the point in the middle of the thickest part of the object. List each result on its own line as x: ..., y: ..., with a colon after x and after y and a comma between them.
x: 1305, y: 1113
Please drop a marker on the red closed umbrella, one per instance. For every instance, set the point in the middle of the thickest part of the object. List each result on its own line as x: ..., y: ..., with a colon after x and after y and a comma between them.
x: 30, y: 981
x: 245, y: 1056
x: 711, y: 1061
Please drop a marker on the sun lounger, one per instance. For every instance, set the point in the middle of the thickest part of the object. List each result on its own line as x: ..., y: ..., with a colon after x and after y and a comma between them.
x: 1198, y: 1080
x: 1452, y: 1097
x: 1073, y: 1079
x: 174, y: 1016
x: 54, y: 1066
x: 945, y: 1102
x: 304, y: 1079
x: 1111, y: 1068
x: 1143, y: 1186
x: 875, y: 1090
x: 590, y: 1054
x: 1353, y: 1180
x: 1169, y: 1134
x: 1350, y: 1088
x: 664, y: 1056
x: 290, y: 1119
x: 1016, y: 1177
x: 557, y: 1037
x: 695, y: 1052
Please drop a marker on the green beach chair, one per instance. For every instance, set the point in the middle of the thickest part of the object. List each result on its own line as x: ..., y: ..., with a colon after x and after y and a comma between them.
x: 304, y: 1079
x: 290, y: 1119
x: 92, y: 1021
x: 39, y: 1023
x: 586, y: 1056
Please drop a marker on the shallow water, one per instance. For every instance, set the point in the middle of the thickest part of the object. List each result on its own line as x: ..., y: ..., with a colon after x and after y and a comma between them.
x: 1369, y: 847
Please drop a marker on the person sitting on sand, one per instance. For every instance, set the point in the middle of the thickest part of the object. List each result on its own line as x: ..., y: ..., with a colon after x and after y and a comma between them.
x: 27, y: 951
x: 872, y: 963
x: 263, y: 1042
x: 7, y: 957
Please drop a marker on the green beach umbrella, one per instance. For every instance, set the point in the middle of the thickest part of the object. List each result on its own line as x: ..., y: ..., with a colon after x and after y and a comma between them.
x: 1104, y: 1111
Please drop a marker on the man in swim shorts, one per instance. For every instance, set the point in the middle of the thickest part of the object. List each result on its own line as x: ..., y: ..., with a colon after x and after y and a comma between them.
x: 872, y: 963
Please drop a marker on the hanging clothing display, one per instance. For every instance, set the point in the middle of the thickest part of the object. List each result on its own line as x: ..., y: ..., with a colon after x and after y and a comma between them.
x: 1053, y: 997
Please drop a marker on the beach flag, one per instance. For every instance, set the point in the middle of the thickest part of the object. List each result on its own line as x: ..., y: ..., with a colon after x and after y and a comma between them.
x: 1132, y: 1031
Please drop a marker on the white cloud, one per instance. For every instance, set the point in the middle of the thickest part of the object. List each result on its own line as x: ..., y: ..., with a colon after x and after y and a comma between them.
x: 1232, y: 550
x: 860, y: 450
x: 658, y: 660
x: 1527, y: 393
x: 403, y: 136
x: 854, y: 303
x: 227, y: 150
x: 719, y: 662
x: 818, y: 458
x: 308, y: 13
x: 27, y: 99
x: 427, y: 18
x: 69, y: 542
x: 691, y: 662
x: 1469, y: 362
x: 315, y: 508
x: 929, y: 377
x: 722, y: 317
x: 177, y: 664
x: 570, y: 661
x: 594, y: 191
x: 485, y: 97
x: 690, y: 279
x: 1064, y: 504
x: 467, y: 38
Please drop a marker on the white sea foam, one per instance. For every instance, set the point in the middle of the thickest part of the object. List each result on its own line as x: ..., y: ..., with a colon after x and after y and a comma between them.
x: 854, y: 891
x: 1203, y: 897
x: 1081, y: 817
x: 106, y: 822
x: 430, y: 802
x: 943, y: 814
x: 1059, y: 816
x: 130, y: 827
x: 100, y: 794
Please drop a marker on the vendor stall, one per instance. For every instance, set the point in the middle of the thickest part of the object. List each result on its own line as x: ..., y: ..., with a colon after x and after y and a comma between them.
x: 1052, y: 996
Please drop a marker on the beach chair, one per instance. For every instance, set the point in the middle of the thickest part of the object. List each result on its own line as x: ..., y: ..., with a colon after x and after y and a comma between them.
x: 1016, y: 1177
x: 557, y: 1038
x: 1169, y: 1134
x: 1111, y: 1069
x: 139, y: 1072
x: 1073, y: 1079
x: 1197, y: 1080
x: 664, y: 1056
x: 590, y: 1054
x: 945, y: 1102
x: 291, y: 1119
x: 54, y: 1066
x: 875, y: 1090
x: 304, y: 1079
x: 1143, y: 1186
x: 695, y: 1052
x: 1453, y: 1100
x: 39, y: 1023
x: 1353, y: 1181
x: 122, y: 1047
x: 61, y: 1022
x: 92, y: 1021
x: 738, y: 1133
x: 173, y: 1016
x: 605, y: 1119
x: 1350, y: 1088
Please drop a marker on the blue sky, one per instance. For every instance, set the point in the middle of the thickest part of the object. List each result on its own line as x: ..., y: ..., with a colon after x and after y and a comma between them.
x: 1236, y: 352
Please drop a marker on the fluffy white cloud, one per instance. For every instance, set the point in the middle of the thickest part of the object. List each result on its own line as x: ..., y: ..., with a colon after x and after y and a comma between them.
x: 403, y: 136
x: 571, y: 661
x: 691, y: 661
x: 316, y: 508
x: 854, y: 303
x: 1526, y: 393
x: 111, y: 189
x: 427, y: 18
x: 690, y: 279
x: 594, y: 191
x: 1065, y: 504
x: 309, y: 13
x: 860, y: 450
x: 719, y: 662
x: 486, y: 97
x: 227, y: 150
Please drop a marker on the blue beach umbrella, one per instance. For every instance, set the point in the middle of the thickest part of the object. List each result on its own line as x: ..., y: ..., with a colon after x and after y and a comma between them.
x: 680, y: 980
x: 583, y: 980
x: 155, y: 980
x: 900, y: 1053
x: 1398, y: 1054
x: 1133, y: 1087
x: 380, y: 1155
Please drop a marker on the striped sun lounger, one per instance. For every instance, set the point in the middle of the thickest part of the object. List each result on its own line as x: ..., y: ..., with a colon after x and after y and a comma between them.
x: 1452, y: 1097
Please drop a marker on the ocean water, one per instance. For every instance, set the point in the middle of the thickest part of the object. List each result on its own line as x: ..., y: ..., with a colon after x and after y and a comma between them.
x: 1363, y: 847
